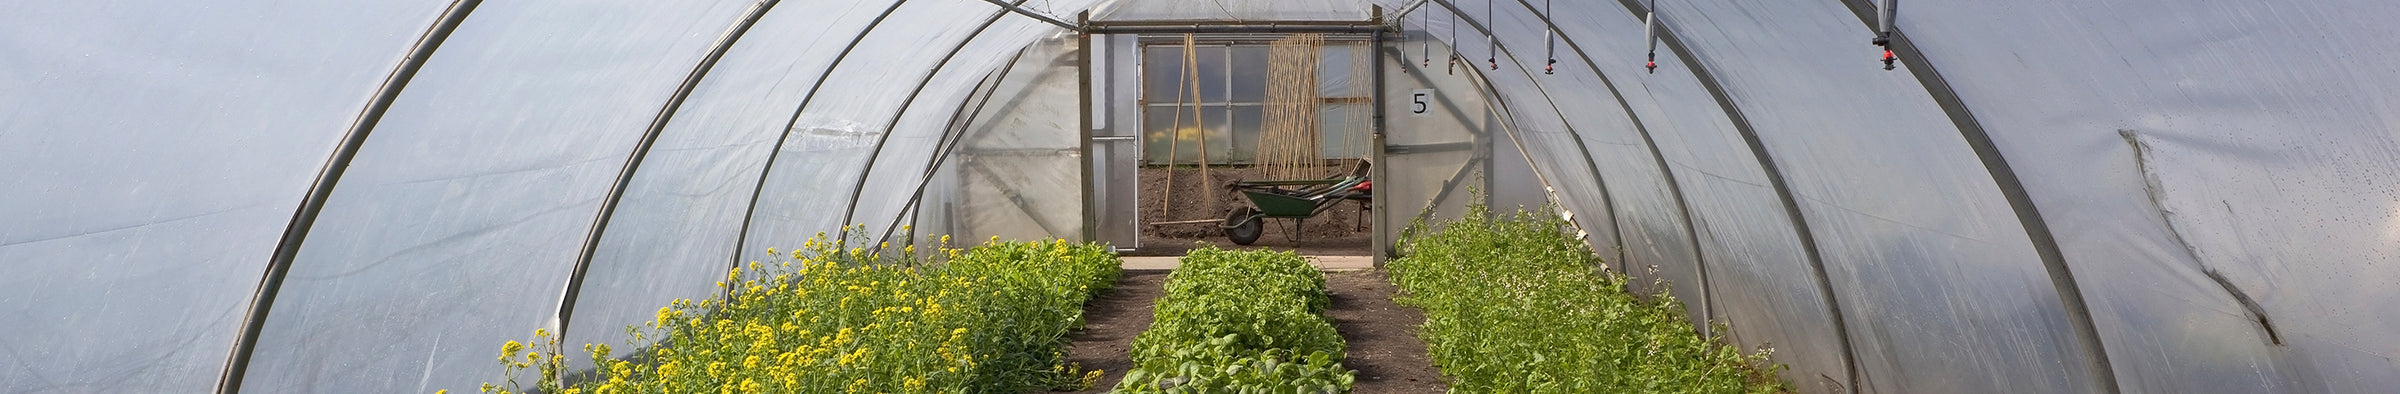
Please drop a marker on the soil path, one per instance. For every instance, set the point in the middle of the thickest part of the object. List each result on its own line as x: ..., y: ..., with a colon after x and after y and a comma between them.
x: 1382, y: 335
x: 1384, y: 349
x: 1109, y: 323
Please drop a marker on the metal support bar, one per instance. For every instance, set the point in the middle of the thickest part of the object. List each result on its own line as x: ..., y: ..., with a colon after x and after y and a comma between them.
x: 1849, y: 359
x: 1766, y: 163
x: 1410, y: 7
x: 295, y: 233
x: 641, y: 150
x: 955, y: 134
x: 866, y: 173
x: 1233, y: 28
x: 2037, y: 229
x: 1608, y: 200
x: 1083, y: 132
x: 1016, y: 8
x: 742, y: 238
x: 1381, y: 225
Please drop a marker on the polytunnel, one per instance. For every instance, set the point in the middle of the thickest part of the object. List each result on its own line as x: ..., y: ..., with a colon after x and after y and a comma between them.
x: 270, y: 196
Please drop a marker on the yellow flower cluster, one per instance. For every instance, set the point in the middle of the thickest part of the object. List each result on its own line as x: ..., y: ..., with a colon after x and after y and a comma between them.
x: 834, y: 320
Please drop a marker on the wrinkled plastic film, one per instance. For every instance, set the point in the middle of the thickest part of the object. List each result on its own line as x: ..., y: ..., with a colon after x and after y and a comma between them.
x: 2172, y: 141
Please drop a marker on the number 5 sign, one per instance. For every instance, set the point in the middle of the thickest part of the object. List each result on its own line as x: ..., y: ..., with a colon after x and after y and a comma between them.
x: 1420, y: 102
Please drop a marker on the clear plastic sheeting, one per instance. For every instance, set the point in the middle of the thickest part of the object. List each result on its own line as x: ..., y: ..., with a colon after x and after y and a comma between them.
x: 459, y: 223
x: 2185, y: 153
x: 673, y: 233
x: 903, y: 158
x: 1230, y: 10
x: 1657, y: 242
x: 1933, y: 270
x: 1015, y: 174
x: 150, y: 158
x: 1439, y: 134
x: 812, y: 182
x: 1760, y: 280
x: 2216, y: 178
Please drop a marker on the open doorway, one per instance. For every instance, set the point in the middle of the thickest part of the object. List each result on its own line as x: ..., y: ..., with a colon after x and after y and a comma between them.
x: 1277, y: 115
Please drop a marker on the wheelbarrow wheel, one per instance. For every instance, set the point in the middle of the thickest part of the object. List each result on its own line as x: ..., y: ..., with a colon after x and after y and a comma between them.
x: 1242, y: 228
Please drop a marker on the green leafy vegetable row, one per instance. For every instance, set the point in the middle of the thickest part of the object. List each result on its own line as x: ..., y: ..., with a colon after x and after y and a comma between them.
x: 1240, y: 321
x: 988, y: 319
x: 1516, y: 305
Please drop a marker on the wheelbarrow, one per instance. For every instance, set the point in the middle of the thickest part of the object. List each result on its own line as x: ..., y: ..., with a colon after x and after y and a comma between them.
x: 1296, y: 200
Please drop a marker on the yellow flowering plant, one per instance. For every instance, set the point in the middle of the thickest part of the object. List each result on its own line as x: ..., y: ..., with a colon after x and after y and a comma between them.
x: 835, y: 319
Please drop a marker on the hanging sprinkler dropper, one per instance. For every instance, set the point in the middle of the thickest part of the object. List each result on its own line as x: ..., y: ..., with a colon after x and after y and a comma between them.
x: 1883, y: 31
x: 1550, y: 40
x: 1453, y: 69
x: 1427, y: 45
x: 1650, y: 35
x: 1491, y: 38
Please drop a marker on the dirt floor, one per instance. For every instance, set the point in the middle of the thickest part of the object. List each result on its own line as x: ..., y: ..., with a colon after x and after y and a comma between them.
x: 1341, y: 231
x: 1382, y: 336
x: 1109, y: 323
x: 1382, y: 340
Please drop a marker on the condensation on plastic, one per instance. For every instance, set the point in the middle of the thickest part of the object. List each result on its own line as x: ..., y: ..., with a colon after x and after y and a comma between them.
x: 1933, y: 269
x: 809, y: 188
x: 1015, y: 174
x: 675, y: 228
x: 1229, y: 10
x: 461, y: 219
x: 150, y: 158
x: 2265, y: 154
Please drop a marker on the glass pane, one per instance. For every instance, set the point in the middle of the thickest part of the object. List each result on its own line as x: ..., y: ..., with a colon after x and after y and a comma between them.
x: 1161, y: 133
x: 1244, y: 139
x: 1250, y: 66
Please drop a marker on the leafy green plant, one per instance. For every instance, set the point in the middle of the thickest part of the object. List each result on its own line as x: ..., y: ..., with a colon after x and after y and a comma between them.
x: 1515, y: 305
x: 988, y: 319
x: 1246, y: 321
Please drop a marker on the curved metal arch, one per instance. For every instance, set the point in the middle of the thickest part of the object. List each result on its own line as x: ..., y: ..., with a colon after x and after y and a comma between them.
x: 2029, y: 216
x: 880, y: 141
x: 295, y: 233
x: 1608, y: 200
x: 641, y: 150
x: 784, y: 134
x: 1766, y: 162
x: 955, y: 133
x: 1824, y: 288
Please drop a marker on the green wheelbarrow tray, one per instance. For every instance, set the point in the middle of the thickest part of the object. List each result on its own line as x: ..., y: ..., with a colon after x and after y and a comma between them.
x: 1300, y: 199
